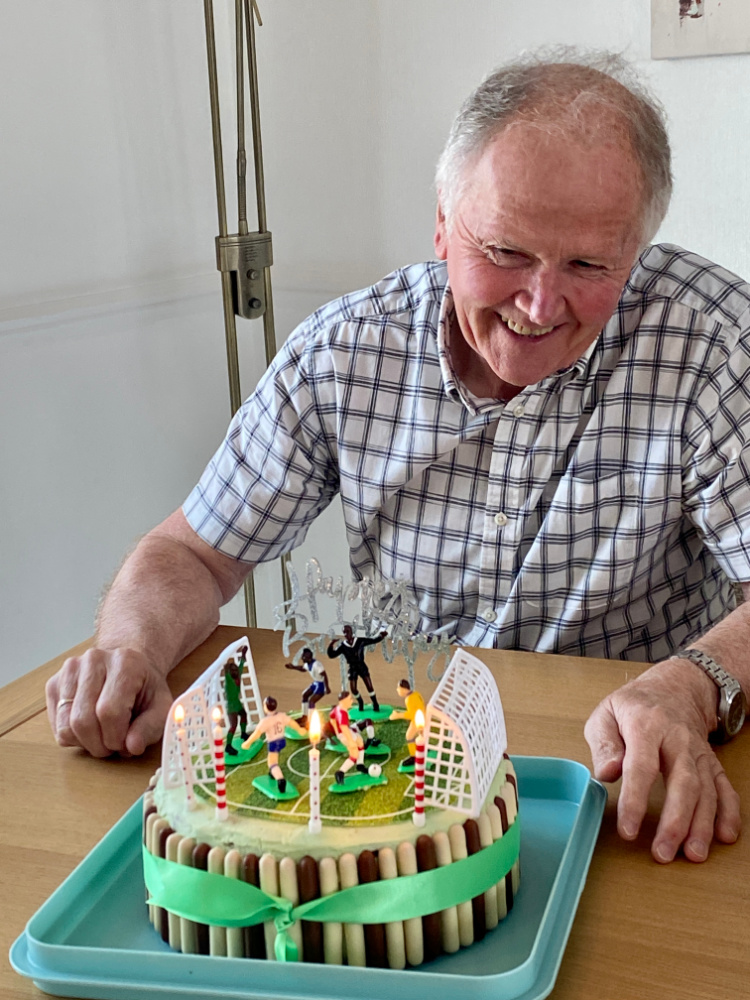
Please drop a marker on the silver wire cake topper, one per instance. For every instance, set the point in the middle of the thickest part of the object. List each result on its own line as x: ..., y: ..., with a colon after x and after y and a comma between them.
x: 383, y: 604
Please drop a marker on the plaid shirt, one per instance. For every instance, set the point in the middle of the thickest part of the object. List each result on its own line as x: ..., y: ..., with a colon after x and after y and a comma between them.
x: 601, y: 512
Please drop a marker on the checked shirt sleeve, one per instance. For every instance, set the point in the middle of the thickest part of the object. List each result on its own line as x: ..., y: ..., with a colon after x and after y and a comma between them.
x: 275, y: 471
x: 717, y: 457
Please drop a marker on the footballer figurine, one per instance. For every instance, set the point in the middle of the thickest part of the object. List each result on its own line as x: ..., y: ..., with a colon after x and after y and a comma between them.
x: 413, y: 702
x: 272, y: 726
x: 318, y: 685
x: 353, y: 651
x: 233, y: 670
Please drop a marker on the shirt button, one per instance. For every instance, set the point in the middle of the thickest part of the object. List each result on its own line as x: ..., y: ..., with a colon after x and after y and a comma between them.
x: 489, y: 615
x: 518, y: 411
x: 501, y: 519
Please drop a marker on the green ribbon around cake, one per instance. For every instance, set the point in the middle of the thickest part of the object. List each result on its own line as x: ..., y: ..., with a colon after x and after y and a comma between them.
x: 207, y: 898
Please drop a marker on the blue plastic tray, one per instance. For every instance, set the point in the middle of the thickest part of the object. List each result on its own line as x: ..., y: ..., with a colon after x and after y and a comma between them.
x: 92, y: 937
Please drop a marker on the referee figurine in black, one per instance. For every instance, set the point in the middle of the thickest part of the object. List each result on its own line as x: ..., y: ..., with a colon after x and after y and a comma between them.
x: 353, y: 651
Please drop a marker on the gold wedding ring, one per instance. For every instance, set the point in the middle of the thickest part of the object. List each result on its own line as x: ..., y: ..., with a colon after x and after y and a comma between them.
x: 64, y: 701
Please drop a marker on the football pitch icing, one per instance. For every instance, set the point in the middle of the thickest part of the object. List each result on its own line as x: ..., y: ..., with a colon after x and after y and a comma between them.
x: 389, y: 800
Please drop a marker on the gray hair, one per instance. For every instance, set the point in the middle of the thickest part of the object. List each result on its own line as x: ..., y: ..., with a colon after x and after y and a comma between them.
x: 554, y: 89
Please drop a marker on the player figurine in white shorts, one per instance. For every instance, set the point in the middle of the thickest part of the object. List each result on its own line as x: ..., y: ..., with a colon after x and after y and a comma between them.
x: 317, y: 687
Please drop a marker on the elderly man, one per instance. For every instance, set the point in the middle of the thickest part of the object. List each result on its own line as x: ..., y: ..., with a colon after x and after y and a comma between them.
x: 545, y: 432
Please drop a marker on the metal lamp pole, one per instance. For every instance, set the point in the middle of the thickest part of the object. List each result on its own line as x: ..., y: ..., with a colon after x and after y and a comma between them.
x: 243, y: 258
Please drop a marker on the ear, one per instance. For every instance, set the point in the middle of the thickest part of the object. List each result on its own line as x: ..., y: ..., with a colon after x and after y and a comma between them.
x: 440, y: 240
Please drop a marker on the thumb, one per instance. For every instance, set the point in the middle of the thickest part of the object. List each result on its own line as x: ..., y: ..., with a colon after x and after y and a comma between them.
x: 607, y: 746
x: 146, y: 728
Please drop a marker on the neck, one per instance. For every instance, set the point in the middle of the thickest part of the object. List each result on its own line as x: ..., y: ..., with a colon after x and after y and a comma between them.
x: 475, y: 373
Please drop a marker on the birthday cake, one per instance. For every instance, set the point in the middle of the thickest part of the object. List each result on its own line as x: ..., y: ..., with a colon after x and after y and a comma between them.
x: 383, y: 839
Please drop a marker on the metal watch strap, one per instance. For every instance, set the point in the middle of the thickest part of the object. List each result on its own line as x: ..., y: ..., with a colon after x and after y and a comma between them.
x: 724, y: 681
x: 701, y: 659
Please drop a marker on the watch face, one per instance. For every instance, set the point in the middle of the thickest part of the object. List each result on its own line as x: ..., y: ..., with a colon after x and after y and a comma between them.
x: 735, y: 714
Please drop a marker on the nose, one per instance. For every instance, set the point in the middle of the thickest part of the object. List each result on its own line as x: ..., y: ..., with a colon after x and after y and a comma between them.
x: 543, y: 297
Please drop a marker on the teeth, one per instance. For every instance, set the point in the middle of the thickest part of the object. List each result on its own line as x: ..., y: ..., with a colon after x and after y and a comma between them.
x: 524, y: 330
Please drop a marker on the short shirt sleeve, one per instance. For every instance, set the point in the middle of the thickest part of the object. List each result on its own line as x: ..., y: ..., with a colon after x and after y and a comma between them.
x: 275, y: 471
x: 716, y: 460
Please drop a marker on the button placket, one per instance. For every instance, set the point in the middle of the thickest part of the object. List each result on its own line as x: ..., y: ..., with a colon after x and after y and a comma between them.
x: 493, y: 587
x: 505, y: 503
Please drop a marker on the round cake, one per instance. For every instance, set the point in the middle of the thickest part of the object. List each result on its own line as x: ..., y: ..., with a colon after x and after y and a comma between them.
x: 347, y: 849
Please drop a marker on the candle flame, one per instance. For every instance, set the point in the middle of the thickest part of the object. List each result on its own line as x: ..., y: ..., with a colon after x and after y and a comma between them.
x: 179, y: 714
x: 315, y: 726
x: 419, y: 719
x: 216, y: 714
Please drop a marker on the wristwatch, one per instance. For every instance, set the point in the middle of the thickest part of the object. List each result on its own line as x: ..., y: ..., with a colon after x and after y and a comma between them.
x: 731, y: 711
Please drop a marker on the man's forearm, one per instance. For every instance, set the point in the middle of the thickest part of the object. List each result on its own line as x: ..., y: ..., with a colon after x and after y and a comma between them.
x: 163, y: 602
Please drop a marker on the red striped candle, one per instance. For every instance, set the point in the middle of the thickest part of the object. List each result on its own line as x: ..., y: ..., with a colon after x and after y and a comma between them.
x: 219, y: 766
x: 418, y: 814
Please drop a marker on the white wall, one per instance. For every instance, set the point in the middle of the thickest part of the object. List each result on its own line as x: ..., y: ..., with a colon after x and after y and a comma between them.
x: 112, y: 361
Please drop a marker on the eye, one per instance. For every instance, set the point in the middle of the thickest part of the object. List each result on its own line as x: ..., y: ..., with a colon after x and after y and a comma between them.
x: 502, y: 255
x: 586, y: 265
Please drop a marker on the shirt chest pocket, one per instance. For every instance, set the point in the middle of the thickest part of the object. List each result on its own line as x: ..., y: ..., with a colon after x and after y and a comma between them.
x: 598, y: 538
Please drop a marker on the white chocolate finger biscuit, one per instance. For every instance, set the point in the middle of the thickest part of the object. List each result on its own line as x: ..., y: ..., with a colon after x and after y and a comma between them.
x: 217, y: 936
x: 269, y: 882
x: 173, y: 846
x: 188, y: 930
x: 496, y: 823
x: 457, y: 839
x: 333, y: 933
x: 449, y: 917
x: 394, y: 931
x: 289, y: 889
x: 354, y: 934
x: 235, y: 935
x: 490, y: 897
x: 406, y: 858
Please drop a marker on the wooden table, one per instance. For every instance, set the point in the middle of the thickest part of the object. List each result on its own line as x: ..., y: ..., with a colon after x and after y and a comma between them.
x: 642, y: 931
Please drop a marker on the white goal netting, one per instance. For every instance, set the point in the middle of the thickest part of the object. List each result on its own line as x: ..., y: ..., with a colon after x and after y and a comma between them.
x: 195, y: 730
x: 465, y: 736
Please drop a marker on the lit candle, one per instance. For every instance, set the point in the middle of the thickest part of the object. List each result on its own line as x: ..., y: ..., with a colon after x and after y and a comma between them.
x: 187, y: 768
x: 418, y: 814
x: 314, y: 825
x: 219, y: 766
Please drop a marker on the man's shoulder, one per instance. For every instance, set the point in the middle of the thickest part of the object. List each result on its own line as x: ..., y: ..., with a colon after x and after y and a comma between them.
x: 399, y: 297
x: 672, y: 274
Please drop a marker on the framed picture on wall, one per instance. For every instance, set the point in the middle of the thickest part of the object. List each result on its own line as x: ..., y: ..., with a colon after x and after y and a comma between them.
x: 699, y: 27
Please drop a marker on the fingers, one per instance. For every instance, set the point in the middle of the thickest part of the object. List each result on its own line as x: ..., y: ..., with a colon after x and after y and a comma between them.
x: 83, y: 720
x: 602, y: 734
x: 128, y: 686
x: 728, y: 820
x: 689, y: 808
x: 148, y: 727
x: 699, y: 800
x: 51, y: 696
x: 92, y: 700
x: 640, y: 769
x: 716, y: 811
x: 77, y: 722
x: 60, y: 695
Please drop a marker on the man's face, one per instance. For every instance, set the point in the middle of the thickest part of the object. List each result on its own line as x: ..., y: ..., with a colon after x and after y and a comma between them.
x: 348, y: 634
x: 544, y: 237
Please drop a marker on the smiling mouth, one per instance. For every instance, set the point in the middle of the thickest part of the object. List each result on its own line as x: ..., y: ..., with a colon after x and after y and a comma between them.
x: 525, y: 331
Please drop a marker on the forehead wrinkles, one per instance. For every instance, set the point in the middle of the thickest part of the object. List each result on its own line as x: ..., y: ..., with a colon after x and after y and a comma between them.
x: 530, y: 184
